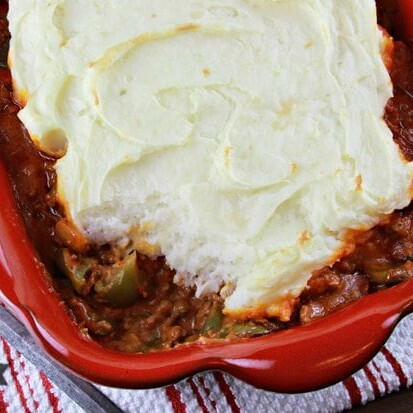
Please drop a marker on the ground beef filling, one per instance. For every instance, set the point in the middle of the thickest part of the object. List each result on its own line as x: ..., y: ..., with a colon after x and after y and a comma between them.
x: 128, y: 301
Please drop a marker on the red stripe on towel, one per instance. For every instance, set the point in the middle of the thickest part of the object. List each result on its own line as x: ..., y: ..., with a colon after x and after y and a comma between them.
x: 207, y: 392
x: 198, y: 396
x: 373, y: 381
x: 353, y: 390
x: 3, y: 404
x: 377, y: 367
x: 174, y: 396
x: 226, y: 390
x: 53, y: 400
x: 396, y: 366
x: 14, y: 375
x: 27, y: 380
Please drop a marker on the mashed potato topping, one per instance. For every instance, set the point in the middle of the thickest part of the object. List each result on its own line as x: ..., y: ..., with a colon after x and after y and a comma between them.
x: 242, y: 139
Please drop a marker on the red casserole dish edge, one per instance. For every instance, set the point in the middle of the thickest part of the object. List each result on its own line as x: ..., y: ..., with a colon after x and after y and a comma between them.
x: 299, y: 359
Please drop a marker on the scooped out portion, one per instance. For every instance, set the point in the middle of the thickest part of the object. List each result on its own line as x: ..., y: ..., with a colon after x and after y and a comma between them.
x: 243, y: 140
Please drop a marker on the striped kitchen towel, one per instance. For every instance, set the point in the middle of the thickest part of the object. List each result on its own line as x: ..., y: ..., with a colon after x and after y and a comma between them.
x: 25, y: 389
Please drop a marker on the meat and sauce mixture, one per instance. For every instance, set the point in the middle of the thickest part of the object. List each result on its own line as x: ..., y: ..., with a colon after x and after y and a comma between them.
x: 128, y: 302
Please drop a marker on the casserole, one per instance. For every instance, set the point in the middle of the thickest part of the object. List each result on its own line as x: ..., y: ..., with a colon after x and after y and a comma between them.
x: 249, y: 360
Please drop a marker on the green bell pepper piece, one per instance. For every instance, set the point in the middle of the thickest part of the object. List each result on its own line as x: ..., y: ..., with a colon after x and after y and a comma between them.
x: 214, y: 320
x: 379, y: 277
x: 249, y: 329
x: 73, y: 269
x: 120, y: 286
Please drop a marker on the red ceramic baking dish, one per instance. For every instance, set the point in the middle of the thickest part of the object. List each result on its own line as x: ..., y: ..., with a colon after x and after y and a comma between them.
x: 299, y: 359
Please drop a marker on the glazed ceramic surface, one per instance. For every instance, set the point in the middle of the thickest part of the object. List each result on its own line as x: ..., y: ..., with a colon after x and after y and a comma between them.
x: 298, y: 359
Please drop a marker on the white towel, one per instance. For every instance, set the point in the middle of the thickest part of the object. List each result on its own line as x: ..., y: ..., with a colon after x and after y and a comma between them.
x: 23, y: 388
